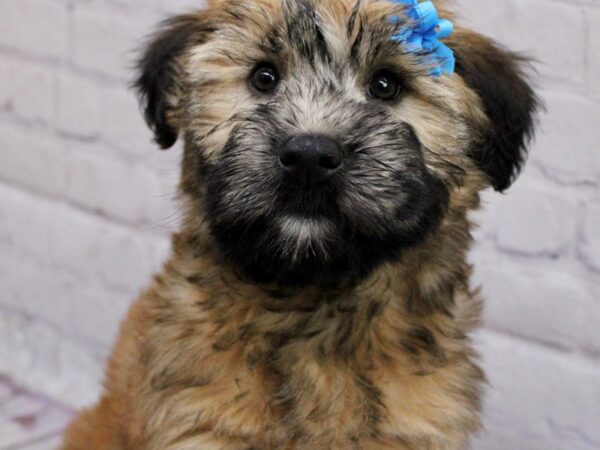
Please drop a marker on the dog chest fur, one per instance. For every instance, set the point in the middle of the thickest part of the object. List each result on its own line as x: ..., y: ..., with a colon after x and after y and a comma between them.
x: 213, y: 362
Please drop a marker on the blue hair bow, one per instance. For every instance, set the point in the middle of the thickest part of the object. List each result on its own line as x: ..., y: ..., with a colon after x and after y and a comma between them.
x: 424, y: 34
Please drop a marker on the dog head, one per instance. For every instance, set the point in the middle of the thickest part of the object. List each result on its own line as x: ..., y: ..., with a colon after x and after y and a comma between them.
x: 316, y: 146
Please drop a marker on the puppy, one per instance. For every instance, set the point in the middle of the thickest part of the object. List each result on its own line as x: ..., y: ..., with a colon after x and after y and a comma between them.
x: 317, y: 295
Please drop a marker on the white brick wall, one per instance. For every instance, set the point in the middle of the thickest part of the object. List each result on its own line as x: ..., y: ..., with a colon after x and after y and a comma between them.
x: 85, y: 210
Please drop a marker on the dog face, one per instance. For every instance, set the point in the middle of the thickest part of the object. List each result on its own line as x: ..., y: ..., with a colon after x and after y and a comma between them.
x: 316, y: 147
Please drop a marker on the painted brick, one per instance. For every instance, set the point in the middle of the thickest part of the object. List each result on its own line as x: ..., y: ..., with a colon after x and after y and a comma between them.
x: 589, y: 247
x: 541, y: 303
x: 45, y: 444
x: 69, y: 240
x: 24, y: 222
x: 38, y: 356
x: 161, y: 7
x: 113, y: 55
x: 126, y: 260
x: 32, y: 93
x: 5, y: 85
x: 180, y: 6
x: 539, y: 399
x: 568, y: 144
x: 47, y: 419
x: 593, y: 51
x: 537, y: 218
x: 29, y: 90
x: 124, y: 126
x: 79, y: 106
x: 556, y: 37
x: 71, y: 303
x: 126, y: 191
x: 488, y: 21
x: 33, y: 161
x: 36, y: 27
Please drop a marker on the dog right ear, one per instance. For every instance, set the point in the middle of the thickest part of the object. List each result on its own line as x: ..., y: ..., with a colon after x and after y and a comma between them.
x: 158, y: 82
x: 509, y: 101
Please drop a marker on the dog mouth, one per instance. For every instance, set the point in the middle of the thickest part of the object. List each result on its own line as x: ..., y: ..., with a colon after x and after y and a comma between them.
x: 311, y: 242
x: 312, y: 212
x: 308, y: 204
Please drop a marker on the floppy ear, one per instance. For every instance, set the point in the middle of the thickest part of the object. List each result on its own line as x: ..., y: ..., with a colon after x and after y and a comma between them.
x: 159, y: 73
x: 497, y: 76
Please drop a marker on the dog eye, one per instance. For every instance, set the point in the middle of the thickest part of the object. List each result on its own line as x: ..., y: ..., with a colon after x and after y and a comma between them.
x: 264, y: 78
x: 384, y: 85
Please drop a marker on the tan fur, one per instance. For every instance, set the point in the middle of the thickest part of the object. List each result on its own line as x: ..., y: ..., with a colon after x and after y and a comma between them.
x: 200, y: 361
x: 188, y: 369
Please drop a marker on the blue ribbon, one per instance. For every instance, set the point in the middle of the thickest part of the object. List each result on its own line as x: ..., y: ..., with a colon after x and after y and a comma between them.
x: 424, y: 34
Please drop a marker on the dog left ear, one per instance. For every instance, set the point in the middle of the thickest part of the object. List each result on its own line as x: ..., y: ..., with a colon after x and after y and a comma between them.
x: 159, y: 73
x: 509, y: 101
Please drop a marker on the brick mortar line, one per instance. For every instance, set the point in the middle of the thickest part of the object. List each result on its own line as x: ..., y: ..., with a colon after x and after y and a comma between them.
x: 148, y: 229
x: 581, y: 3
x: 560, y: 180
x: 24, y: 444
x: 96, y: 349
x: 549, y: 353
x: 50, y: 130
x: 54, y: 267
x: 591, y: 356
x: 64, y: 64
x: 572, y: 253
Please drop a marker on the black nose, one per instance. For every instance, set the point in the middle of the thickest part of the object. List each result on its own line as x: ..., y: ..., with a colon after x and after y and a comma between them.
x: 311, y: 159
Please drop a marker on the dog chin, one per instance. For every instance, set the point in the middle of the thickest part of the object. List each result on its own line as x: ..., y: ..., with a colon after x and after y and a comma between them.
x: 290, y: 250
x: 301, y: 236
x: 296, y: 250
